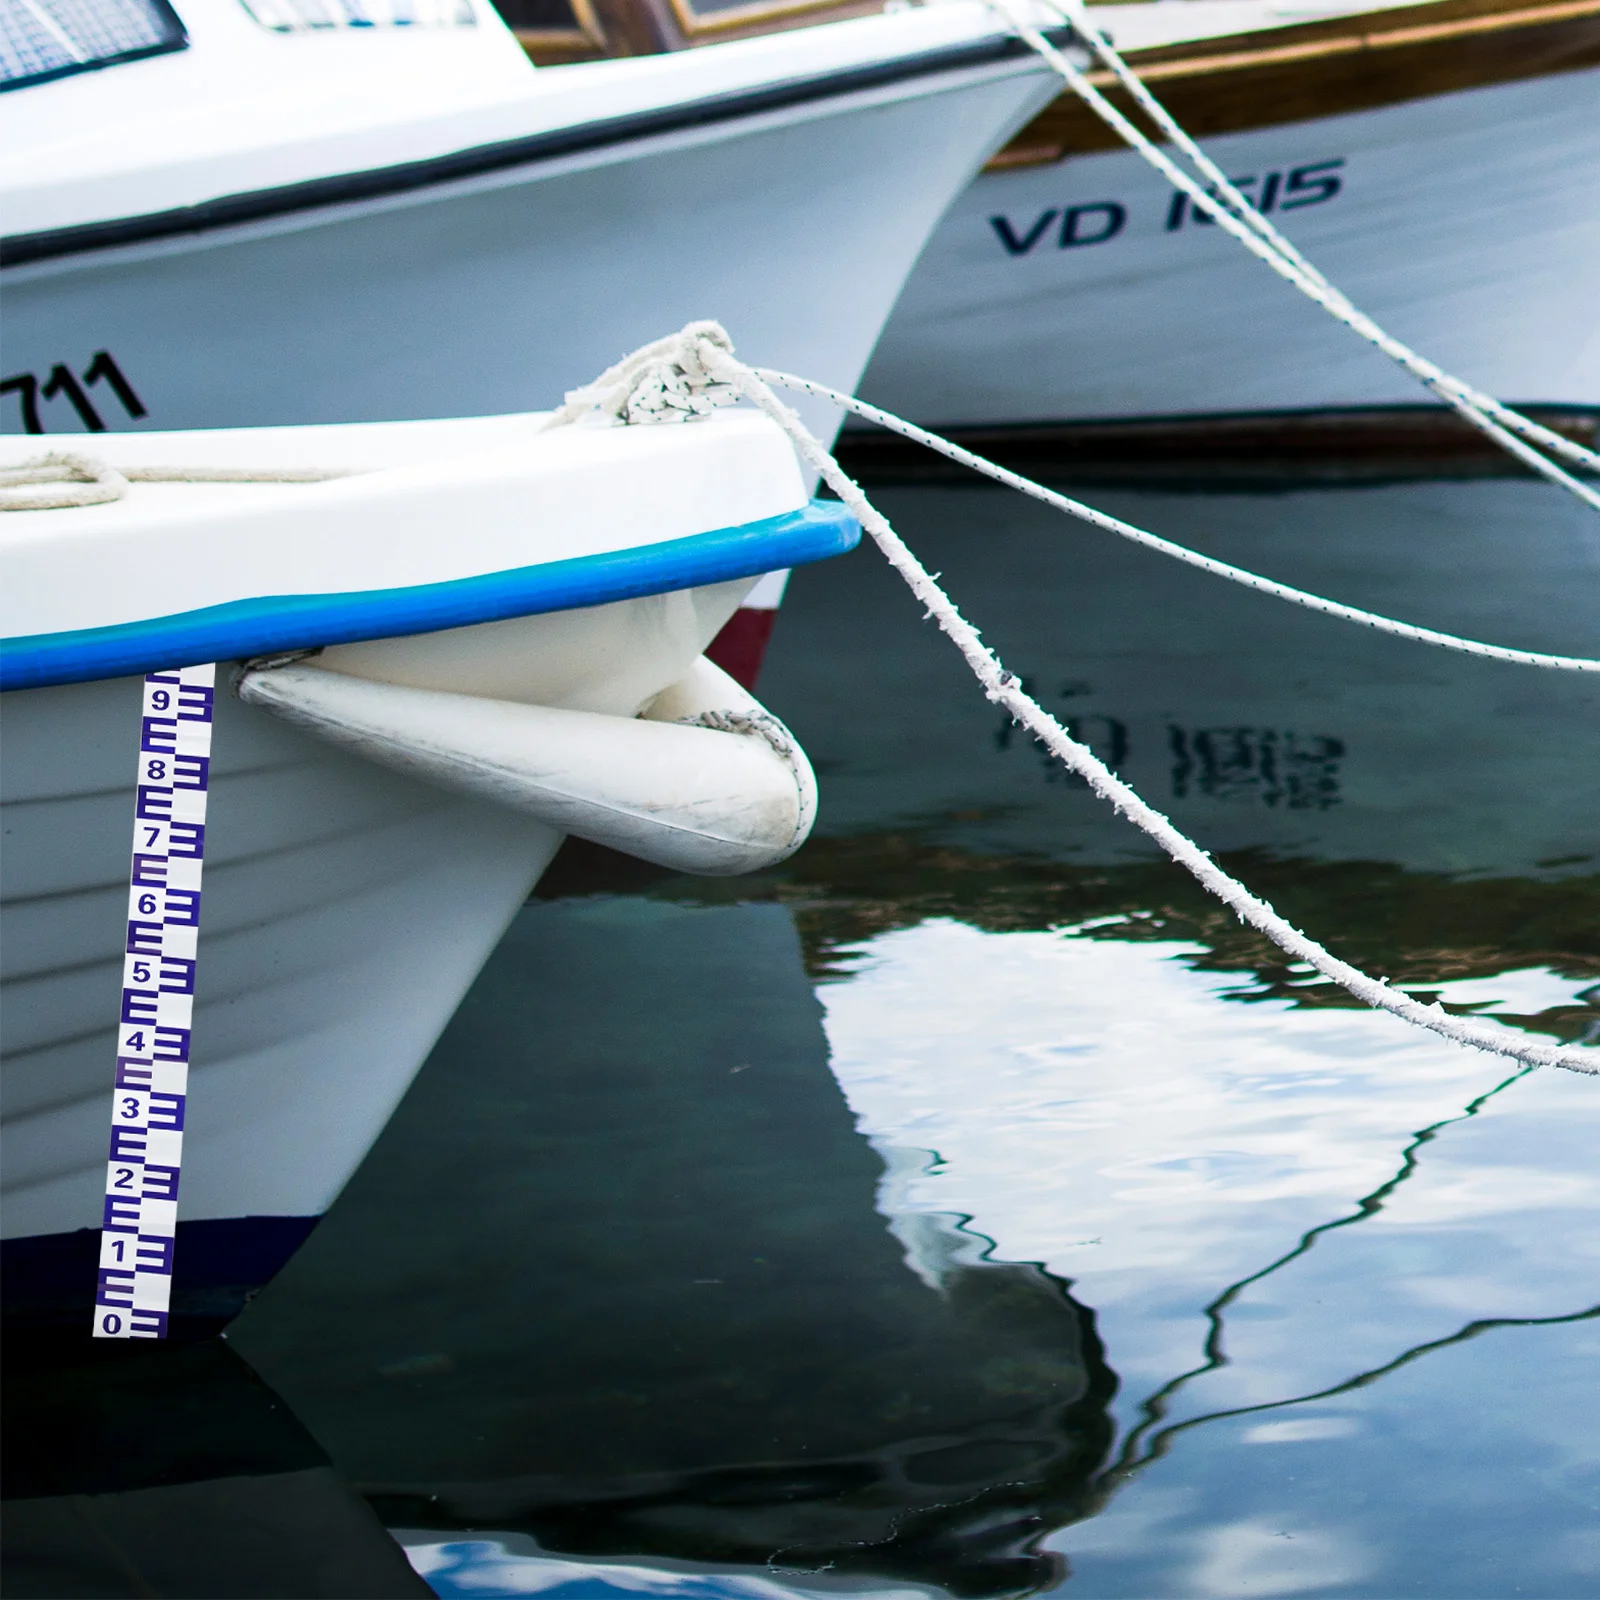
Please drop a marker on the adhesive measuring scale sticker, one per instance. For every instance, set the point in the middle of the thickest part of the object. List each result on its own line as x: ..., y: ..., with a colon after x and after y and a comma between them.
x: 139, y: 1230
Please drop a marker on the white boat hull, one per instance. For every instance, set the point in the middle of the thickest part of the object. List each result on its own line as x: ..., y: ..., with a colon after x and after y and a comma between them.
x: 347, y: 909
x: 496, y: 293
x: 1467, y: 224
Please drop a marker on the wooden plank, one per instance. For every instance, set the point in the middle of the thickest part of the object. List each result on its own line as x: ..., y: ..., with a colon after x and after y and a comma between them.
x: 1378, y: 444
x: 1325, y: 68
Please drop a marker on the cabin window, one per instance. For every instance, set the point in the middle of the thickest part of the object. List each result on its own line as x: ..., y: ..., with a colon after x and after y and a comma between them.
x: 43, y: 39
x: 318, y: 16
x: 701, y: 18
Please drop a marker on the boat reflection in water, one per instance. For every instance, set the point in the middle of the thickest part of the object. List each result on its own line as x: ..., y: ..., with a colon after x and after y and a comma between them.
x: 1253, y: 723
x: 625, y: 1299
x: 614, y: 1280
x: 137, y: 1468
x: 1272, y: 1198
x: 660, y: 1340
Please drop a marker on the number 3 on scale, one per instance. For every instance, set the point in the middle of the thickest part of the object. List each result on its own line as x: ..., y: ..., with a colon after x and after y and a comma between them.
x: 61, y: 381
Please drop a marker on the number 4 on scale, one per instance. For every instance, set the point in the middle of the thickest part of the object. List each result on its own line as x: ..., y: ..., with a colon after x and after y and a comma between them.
x: 102, y: 369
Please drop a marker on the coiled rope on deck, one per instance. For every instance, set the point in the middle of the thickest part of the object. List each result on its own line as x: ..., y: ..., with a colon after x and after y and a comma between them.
x: 1230, y: 210
x: 68, y: 479
x: 689, y: 373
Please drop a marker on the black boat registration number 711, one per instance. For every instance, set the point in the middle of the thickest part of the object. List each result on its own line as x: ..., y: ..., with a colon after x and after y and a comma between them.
x: 63, y: 384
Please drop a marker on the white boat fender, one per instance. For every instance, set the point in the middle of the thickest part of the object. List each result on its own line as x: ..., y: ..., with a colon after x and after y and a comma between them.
x: 704, y: 780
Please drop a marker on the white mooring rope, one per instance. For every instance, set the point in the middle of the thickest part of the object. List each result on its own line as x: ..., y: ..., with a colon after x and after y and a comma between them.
x: 1221, y: 569
x: 682, y: 376
x: 85, y: 480
x: 1230, y: 210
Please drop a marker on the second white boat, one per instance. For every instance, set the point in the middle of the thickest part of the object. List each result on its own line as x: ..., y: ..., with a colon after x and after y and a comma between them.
x: 1440, y: 163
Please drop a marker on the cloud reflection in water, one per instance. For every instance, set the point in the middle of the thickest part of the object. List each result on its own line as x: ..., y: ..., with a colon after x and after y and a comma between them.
x: 1102, y: 1108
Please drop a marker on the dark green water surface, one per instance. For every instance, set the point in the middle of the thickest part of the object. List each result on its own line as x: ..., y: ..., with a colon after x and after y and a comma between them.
x: 970, y: 1205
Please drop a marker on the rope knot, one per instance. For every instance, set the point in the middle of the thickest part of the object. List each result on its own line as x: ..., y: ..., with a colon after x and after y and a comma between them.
x: 65, y: 480
x: 675, y: 379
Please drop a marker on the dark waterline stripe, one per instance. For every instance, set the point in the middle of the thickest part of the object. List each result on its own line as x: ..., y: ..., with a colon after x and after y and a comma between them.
x: 48, y: 1280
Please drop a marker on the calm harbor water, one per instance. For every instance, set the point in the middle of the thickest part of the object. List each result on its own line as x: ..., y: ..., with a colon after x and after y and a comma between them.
x: 969, y: 1206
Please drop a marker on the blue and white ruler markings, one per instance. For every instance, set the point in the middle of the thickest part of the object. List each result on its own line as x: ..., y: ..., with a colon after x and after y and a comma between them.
x: 169, y: 835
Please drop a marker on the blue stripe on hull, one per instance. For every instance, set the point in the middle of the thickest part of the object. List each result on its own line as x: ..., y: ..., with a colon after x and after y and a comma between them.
x: 47, y: 1281
x: 243, y: 628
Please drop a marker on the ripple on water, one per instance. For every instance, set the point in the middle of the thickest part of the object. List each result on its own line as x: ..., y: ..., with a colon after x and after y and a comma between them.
x: 972, y: 1207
